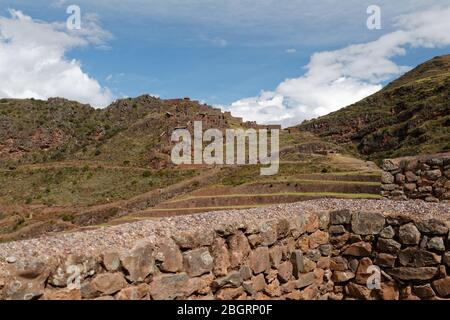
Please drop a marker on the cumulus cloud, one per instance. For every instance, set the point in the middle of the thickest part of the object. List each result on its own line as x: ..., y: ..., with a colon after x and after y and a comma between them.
x: 335, y: 79
x: 33, y: 62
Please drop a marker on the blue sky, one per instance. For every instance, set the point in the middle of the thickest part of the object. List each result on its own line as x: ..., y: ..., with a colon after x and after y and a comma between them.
x: 235, y: 54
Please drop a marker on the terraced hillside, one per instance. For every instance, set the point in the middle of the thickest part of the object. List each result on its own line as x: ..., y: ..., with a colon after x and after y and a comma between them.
x: 410, y: 116
x: 66, y: 166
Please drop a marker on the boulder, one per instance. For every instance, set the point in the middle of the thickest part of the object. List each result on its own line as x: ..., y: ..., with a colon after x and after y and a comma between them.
x: 198, y: 261
x: 409, y: 234
x: 359, y: 249
x: 366, y: 223
x: 414, y: 257
x: 109, y: 283
x: 168, y: 286
x: 442, y: 287
x: 139, y: 262
x: 260, y: 260
x: 388, y: 246
x: 436, y: 243
x: 340, y: 217
x: 408, y: 273
x: 221, y: 257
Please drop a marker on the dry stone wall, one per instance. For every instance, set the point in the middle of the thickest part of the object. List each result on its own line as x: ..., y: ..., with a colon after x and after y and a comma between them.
x: 426, y: 178
x: 310, y: 256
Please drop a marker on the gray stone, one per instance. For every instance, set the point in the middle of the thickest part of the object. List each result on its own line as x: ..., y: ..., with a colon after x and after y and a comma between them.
x: 409, y: 234
x: 446, y: 259
x: 139, y: 262
x: 314, y: 255
x: 389, y: 187
x: 198, y: 262
x: 337, y: 229
x: 325, y: 249
x: 297, y: 261
x: 365, y: 223
x: 432, y: 226
x: 388, y: 246
x: 233, y: 279
x: 387, y: 232
x: 387, y: 178
x: 407, y: 273
x: 168, y: 286
x: 433, y: 174
x: 413, y: 257
x: 305, y: 280
x: 389, y: 165
x: 340, y: 217
x: 436, y: 243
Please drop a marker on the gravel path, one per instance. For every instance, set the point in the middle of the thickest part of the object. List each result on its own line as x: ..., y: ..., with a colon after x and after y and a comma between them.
x: 126, y: 235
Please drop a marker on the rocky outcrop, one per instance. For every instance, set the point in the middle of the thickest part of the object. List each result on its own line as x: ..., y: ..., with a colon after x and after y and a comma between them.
x: 423, y: 177
x: 323, y: 255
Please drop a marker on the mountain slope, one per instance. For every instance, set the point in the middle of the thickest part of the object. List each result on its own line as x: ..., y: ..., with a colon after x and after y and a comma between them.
x: 409, y: 116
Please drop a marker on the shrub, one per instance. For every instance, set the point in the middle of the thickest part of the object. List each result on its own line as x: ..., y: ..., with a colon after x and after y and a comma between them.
x: 146, y: 173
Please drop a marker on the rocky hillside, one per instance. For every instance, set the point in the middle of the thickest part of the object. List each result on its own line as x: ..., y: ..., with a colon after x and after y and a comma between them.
x: 35, y: 131
x: 409, y: 116
x: 65, y: 166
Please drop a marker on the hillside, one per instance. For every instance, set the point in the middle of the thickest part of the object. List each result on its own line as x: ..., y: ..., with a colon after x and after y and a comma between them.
x: 66, y: 166
x: 409, y: 116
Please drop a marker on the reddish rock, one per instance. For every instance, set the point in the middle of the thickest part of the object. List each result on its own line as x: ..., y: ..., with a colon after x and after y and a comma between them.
x: 221, y: 257
x: 260, y: 260
x: 342, y: 276
x: 239, y: 249
x: 385, y: 260
x: 407, y: 273
x: 312, y: 223
x: 356, y: 291
x: 318, y: 238
x: 229, y: 293
x: 442, y: 287
x: 256, y: 284
x: 273, y: 289
x: 362, y: 274
x: 359, y: 249
x: 338, y: 264
x: 138, y: 292
x: 276, y: 255
x: 139, y: 262
x: 285, y: 271
x: 389, y: 291
x: 424, y: 291
x: 62, y: 294
x: 170, y: 256
x: 109, y: 283
x: 168, y: 286
x: 303, y: 243
x: 198, y: 262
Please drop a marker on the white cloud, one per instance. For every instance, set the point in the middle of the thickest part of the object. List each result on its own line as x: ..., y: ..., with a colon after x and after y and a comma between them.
x: 334, y: 79
x: 33, y: 61
x: 291, y: 50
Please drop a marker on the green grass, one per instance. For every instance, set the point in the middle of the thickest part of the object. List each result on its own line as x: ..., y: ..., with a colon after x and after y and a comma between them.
x: 299, y: 194
x: 82, y: 186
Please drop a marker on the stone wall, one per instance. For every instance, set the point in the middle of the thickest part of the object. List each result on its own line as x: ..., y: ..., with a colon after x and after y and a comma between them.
x: 308, y: 256
x: 425, y: 177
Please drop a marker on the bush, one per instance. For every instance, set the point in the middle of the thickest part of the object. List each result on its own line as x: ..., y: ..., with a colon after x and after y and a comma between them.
x: 146, y: 173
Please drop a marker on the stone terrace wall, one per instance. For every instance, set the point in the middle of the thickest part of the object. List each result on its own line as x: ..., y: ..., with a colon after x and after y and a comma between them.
x: 308, y: 256
x: 425, y: 177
